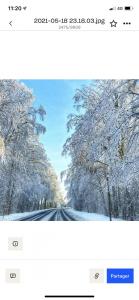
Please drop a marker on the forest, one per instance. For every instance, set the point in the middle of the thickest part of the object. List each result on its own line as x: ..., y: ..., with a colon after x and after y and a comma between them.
x: 103, y: 176
x: 102, y: 143
x: 27, y: 179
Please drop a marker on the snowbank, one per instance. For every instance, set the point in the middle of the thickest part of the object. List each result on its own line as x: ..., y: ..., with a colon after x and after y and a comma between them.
x: 85, y: 216
x: 16, y: 216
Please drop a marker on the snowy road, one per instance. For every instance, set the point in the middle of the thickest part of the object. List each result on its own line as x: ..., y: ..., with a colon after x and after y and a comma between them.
x: 56, y: 214
x: 50, y: 215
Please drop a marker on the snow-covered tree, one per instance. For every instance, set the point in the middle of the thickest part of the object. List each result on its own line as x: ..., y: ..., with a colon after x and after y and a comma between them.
x: 103, y: 146
x: 24, y: 166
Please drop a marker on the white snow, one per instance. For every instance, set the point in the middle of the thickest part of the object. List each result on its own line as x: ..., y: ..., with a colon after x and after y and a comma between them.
x: 78, y: 215
x: 17, y: 216
x: 85, y: 216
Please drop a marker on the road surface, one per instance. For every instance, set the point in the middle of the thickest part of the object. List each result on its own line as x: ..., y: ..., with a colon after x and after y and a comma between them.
x: 55, y: 214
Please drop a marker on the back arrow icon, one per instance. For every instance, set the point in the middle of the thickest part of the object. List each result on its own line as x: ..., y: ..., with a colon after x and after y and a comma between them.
x: 10, y: 23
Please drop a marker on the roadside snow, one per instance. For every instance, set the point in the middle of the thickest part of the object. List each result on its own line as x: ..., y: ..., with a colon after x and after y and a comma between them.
x: 85, y: 216
x: 14, y: 217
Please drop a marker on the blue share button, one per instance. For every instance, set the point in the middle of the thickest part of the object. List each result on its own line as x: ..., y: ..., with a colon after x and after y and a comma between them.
x: 120, y: 275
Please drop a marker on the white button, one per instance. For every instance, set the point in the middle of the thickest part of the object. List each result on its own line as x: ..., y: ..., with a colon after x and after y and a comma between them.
x: 96, y: 275
x: 12, y: 276
x: 15, y: 243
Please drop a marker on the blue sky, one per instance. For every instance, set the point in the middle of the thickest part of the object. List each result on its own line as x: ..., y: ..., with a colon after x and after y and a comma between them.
x: 56, y: 96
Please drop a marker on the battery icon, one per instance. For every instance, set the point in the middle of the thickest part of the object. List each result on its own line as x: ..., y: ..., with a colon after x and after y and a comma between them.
x: 128, y: 7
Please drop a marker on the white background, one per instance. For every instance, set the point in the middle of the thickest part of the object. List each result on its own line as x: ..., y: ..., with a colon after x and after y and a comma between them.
x: 24, y: 20
x: 69, y: 55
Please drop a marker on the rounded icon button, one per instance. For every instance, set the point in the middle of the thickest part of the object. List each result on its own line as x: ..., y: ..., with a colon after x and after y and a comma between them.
x: 96, y: 275
x: 15, y: 243
x: 12, y: 276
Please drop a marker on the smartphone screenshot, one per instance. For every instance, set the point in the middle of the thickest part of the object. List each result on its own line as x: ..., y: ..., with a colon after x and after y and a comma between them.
x: 69, y: 149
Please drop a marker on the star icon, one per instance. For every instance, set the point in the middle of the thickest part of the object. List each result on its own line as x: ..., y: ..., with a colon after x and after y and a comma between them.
x: 113, y: 23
